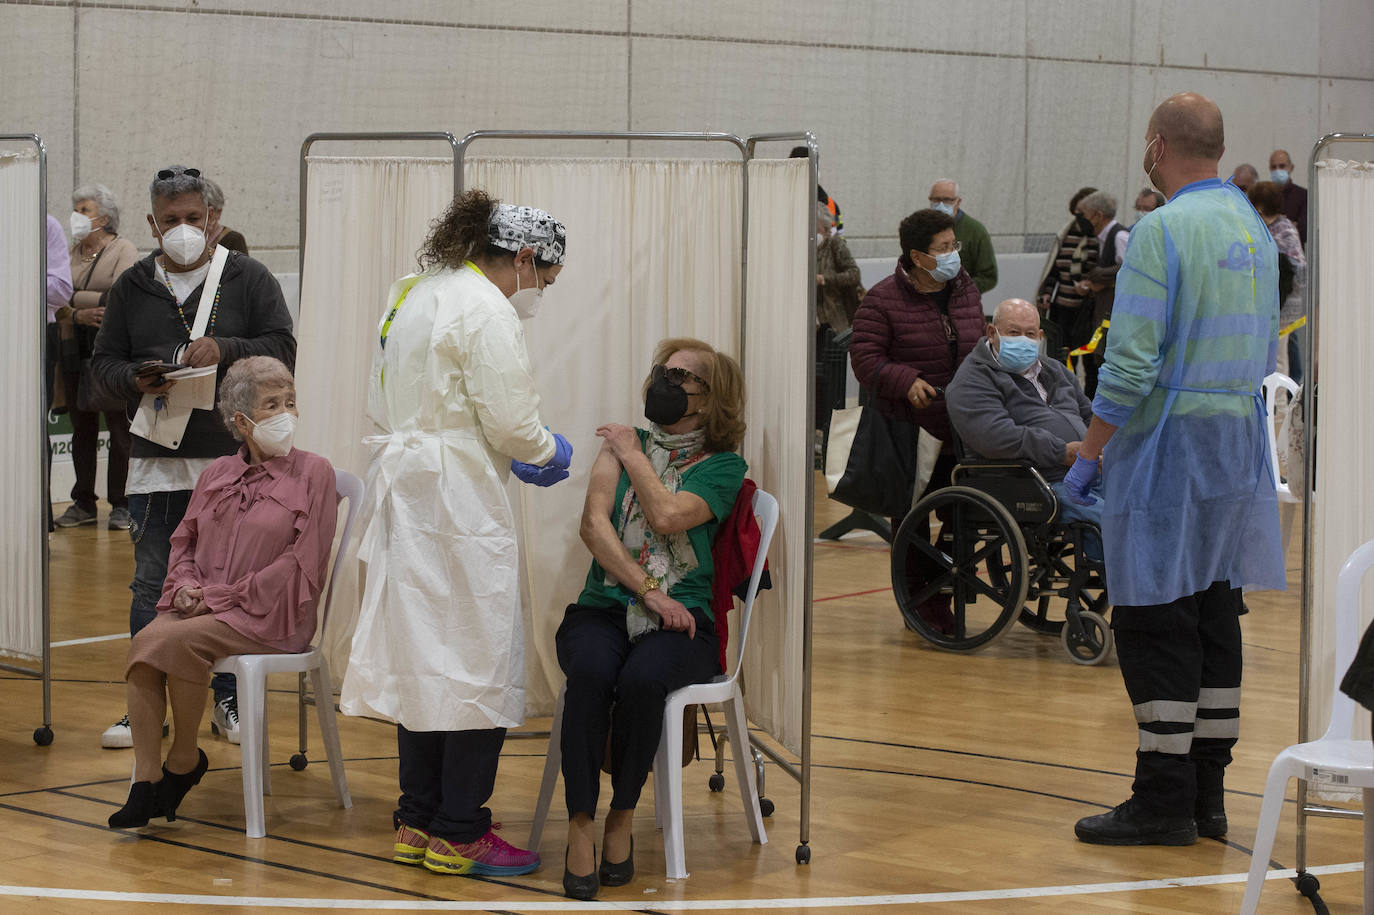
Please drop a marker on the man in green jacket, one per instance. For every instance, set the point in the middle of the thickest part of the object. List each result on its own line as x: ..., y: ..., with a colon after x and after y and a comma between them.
x: 975, y: 247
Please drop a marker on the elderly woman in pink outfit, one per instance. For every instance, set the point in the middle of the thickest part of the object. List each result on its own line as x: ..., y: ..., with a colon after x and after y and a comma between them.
x: 247, y: 566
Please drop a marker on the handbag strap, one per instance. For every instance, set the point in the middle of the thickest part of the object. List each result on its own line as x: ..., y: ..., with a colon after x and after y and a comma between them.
x: 90, y: 271
x: 208, y: 292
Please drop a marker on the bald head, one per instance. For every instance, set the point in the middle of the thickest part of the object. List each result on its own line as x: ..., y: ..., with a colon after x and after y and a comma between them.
x: 1279, y: 158
x: 1191, y: 126
x: 1245, y: 176
x: 1016, y: 313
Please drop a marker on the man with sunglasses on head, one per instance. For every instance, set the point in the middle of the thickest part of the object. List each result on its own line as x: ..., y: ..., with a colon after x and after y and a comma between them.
x: 150, y: 318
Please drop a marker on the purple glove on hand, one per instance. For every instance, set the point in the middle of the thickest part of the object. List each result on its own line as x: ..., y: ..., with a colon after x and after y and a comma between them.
x: 1078, y: 482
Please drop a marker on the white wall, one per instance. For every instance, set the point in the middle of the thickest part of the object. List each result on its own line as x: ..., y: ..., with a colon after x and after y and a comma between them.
x: 1021, y: 100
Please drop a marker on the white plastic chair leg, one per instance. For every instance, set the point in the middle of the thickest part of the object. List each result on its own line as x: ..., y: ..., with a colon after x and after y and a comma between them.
x: 251, y: 714
x: 553, y: 760
x: 1275, y: 786
x: 660, y: 790
x: 744, y: 772
x: 669, y: 803
x: 264, y: 742
x: 1369, y: 851
x: 329, y: 730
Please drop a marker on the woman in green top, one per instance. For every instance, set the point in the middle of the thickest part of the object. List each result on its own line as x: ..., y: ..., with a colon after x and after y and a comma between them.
x: 642, y: 626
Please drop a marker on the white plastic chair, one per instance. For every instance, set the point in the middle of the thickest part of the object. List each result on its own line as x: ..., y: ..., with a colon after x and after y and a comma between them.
x: 724, y: 690
x: 251, y: 670
x: 1335, y: 754
x: 1272, y: 385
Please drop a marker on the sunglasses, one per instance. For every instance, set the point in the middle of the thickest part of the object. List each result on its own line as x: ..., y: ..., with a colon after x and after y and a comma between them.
x: 168, y: 173
x: 678, y: 377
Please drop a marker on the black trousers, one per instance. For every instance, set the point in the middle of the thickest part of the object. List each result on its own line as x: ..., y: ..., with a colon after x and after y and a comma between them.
x: 1181, y: 662
x: 621, y: 688
x: 446, y: 780
x: 85, y: 439
x: 940, y: 477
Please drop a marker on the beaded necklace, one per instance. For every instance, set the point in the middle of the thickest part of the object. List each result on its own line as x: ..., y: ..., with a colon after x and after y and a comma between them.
x: 214, y: 308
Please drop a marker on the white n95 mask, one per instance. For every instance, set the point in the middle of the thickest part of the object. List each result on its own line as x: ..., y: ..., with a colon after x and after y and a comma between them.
x: 274, y: 435
x: 526, y: 301
x: 80, y: 224
x: 184, y: 244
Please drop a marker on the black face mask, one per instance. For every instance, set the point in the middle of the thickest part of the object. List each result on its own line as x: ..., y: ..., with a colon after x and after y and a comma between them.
x: 1084, y: 227
x: 665, y: 403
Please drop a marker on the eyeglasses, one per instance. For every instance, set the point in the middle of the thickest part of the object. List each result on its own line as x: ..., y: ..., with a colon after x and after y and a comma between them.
x: 678, y: 377
x: 958, y: 246
x: 948, y: 200
x: 168, y: 173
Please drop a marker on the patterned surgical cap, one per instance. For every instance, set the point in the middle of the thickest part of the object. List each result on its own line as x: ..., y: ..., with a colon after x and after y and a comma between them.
x: 516, y: 227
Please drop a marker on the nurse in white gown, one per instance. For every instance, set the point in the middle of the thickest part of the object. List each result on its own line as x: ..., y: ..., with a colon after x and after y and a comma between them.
x: 439, y: 647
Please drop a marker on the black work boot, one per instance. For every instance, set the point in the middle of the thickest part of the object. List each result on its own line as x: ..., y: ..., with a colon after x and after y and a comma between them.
x: 1132, y: 823
x: 1209, y: 812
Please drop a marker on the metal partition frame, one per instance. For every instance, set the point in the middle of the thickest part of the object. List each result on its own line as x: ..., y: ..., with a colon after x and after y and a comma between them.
x: 370, y: 136
x: 1309, y: 406
x: 42, y: 735
x: 746, y: 147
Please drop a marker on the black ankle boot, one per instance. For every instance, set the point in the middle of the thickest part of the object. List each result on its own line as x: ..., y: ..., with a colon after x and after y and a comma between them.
x: 1210, y: 815
x: 173, y: 787
x: 141, y: 805
x: 575, y: 887
x: 618, y: 874
x: 1132, y: 823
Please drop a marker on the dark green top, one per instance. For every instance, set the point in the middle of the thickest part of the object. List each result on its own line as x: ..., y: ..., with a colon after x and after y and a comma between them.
x: 717, y: 480
x: 975, y: 251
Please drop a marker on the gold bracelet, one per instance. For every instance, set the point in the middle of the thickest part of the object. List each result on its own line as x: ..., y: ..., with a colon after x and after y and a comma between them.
x: 650, y: 584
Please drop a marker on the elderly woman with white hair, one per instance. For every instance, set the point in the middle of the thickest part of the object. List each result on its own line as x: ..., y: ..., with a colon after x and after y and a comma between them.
x: 247, y: 566
x: 99, y: 254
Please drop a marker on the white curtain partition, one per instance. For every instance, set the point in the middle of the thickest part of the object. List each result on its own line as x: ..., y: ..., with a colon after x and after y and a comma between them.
x: 21, y: 487
x: 366, y: 219
x: 653, y: 251
x: 1343, y: 501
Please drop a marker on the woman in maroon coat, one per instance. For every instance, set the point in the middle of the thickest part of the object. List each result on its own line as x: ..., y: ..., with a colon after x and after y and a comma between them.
x: 911, y: 332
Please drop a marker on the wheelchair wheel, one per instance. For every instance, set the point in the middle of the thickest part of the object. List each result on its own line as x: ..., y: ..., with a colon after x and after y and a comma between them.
x: 1093, y: 644
x: 967, y: 587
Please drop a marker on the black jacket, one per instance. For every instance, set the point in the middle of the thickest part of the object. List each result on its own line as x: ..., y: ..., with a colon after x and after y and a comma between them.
x: 141, y: 324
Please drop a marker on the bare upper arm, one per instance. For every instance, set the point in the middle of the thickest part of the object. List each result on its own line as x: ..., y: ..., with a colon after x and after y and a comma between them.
x: 601, y: 484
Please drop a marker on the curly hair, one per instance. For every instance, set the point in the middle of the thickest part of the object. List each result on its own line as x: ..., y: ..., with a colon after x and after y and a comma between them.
x: 920, y: 228
x: 461, y: 233
x: 723, y: 412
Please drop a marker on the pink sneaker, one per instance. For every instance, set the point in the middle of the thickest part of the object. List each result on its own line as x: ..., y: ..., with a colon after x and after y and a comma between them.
x: 489, y: 856
x: 410, y: 845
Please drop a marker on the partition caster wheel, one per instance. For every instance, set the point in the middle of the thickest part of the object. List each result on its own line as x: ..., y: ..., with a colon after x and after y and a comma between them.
x: 42, y: 736
x: 299, y: 762
x: 803, y: 854
x: 716, y: 782
x: 1307, y: 884
x: 765, y: 807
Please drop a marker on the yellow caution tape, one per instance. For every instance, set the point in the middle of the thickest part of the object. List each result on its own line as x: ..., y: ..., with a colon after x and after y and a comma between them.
x: 1301, y: 322
x: 1093, y: 342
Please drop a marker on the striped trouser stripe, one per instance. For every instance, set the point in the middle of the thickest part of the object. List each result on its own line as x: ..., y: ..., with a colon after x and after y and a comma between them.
x: 1166, y: 725
x: 1219, y: 697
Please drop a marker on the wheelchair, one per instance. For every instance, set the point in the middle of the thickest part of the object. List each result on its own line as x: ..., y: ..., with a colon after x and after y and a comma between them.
x: 1000, y: 545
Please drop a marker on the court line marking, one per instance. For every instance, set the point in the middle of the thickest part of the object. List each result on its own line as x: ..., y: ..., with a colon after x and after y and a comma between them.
x: 90, y: 641
x: 678, y: 905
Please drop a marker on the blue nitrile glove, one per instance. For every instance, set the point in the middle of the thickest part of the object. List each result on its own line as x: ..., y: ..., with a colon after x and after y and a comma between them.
x: 1078, y: 482
x: 556, y: 470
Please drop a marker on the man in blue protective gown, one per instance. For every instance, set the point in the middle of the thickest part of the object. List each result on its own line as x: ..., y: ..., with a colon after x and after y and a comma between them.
x: 1190, y: 516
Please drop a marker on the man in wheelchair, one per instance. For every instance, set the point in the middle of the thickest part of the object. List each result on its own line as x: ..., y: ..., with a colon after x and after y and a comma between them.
x: 1009, y: 402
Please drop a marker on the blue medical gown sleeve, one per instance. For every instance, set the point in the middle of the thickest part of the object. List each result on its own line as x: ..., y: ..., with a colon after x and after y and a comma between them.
x: 1140, y: 313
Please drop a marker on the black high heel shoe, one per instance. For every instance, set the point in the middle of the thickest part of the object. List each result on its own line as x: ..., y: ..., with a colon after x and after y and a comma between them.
x: 173, y: 787
x: 139, y: 808
x: 618, y: 874
x: 575, y: 887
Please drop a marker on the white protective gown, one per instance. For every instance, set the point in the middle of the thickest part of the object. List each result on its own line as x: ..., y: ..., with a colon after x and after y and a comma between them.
x: 439, y: 644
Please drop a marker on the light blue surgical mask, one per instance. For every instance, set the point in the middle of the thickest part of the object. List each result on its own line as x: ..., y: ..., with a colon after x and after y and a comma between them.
x: 946, y: 208
x: 946, y: 266
x: 1017, y: 353
x: 1279, y: 176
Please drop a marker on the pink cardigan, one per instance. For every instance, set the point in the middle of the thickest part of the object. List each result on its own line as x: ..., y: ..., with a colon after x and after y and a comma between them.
x: 257, y: 538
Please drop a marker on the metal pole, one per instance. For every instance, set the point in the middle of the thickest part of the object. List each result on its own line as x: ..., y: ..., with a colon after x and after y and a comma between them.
x: 1309, y: 406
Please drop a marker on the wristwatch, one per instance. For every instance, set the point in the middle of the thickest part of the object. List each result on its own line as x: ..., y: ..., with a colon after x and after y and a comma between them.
x: 650, y: 584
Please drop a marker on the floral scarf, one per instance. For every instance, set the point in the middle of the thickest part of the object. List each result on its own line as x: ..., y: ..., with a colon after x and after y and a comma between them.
x: 667, y: 557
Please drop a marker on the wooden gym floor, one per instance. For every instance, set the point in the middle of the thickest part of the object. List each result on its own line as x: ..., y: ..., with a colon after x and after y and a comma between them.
x: 942, y: 783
